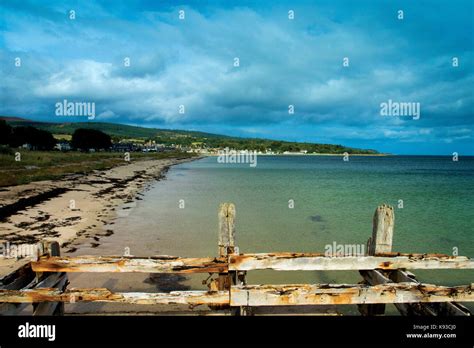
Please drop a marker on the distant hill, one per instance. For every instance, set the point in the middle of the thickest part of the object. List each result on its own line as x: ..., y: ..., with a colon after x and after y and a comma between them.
x: 185, y: 138
x: 14, y: 119
x: 113, y: 129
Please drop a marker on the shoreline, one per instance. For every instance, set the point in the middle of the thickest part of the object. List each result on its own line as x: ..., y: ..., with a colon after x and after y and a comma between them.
x: 75, y: 210
x: 313, y: 154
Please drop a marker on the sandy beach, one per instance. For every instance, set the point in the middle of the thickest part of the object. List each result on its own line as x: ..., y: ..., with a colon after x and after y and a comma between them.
x: 75, y: 210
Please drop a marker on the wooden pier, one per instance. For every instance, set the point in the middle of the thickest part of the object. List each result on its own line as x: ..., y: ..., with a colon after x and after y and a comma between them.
x: 43, y: 282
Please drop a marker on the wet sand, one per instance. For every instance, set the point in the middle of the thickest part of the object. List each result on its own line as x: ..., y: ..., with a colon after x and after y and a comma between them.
x: 75, y: 211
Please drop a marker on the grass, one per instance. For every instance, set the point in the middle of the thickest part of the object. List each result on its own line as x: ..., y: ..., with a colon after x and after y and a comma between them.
x: 62, y: 137
x: 50, y: 165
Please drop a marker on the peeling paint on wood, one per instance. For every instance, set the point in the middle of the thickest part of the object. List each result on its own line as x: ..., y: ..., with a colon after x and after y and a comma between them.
x: 318, y: 262
x: 226, y: 237
x: 444, y: 308
x: 376, y: 277
x: 336, y: 294
x: 157, y: 264
x: 192, y: 298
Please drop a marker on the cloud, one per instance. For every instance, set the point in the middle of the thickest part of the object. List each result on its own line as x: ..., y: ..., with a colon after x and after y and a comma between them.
x: 282, y: 62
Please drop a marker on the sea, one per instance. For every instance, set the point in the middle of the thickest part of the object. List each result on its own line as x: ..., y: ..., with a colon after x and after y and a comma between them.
x: 305, y: 203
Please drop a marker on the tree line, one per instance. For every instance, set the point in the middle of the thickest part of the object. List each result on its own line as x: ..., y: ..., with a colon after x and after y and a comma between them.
x: 82, y: 139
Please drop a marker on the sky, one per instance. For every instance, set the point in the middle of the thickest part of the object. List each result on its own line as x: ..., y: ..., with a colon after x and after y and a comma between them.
x: 335, y: 62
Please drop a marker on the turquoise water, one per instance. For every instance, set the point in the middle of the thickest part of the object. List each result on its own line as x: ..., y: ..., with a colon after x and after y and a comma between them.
x: 334, y: 201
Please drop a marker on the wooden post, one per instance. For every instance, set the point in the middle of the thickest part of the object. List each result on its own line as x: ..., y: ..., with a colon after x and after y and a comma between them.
x: 226, y: 246
x: 50, y: 280
x: 226, y: 229
x: 226, y: 240
x: 380, y: 242
x: 382, y: 230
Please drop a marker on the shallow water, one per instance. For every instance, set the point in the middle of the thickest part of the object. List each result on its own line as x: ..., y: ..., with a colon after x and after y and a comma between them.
x: 334, y: 201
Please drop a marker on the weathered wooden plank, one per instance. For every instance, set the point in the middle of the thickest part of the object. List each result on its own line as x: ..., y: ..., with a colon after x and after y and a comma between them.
x: 50, y: 281
x: 57, y: 280
x: 383, y: 224
x: 337, y: 294
x: 193, y: 298
x: 226, y: 241
x: 15, y: 308
x: 318, y: 262
x: 53, y: 308
x: 376, y: 277
x: 158, y: 264
x: 18, y: 278
x: 373, y: 277
x: 200, y: 311
x: 382, y: 230
x: 245, y: 262
x: 226, y: 245
x: 438, y: 309
x: 23, y: 277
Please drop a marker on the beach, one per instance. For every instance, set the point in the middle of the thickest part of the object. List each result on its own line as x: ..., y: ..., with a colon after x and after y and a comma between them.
x: 74, y: 210
x: 130, y: 208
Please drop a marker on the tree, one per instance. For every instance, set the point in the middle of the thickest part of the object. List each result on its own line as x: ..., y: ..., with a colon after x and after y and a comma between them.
x: 85, y: 139
x: 37, y: 138
x: 5, y: 132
